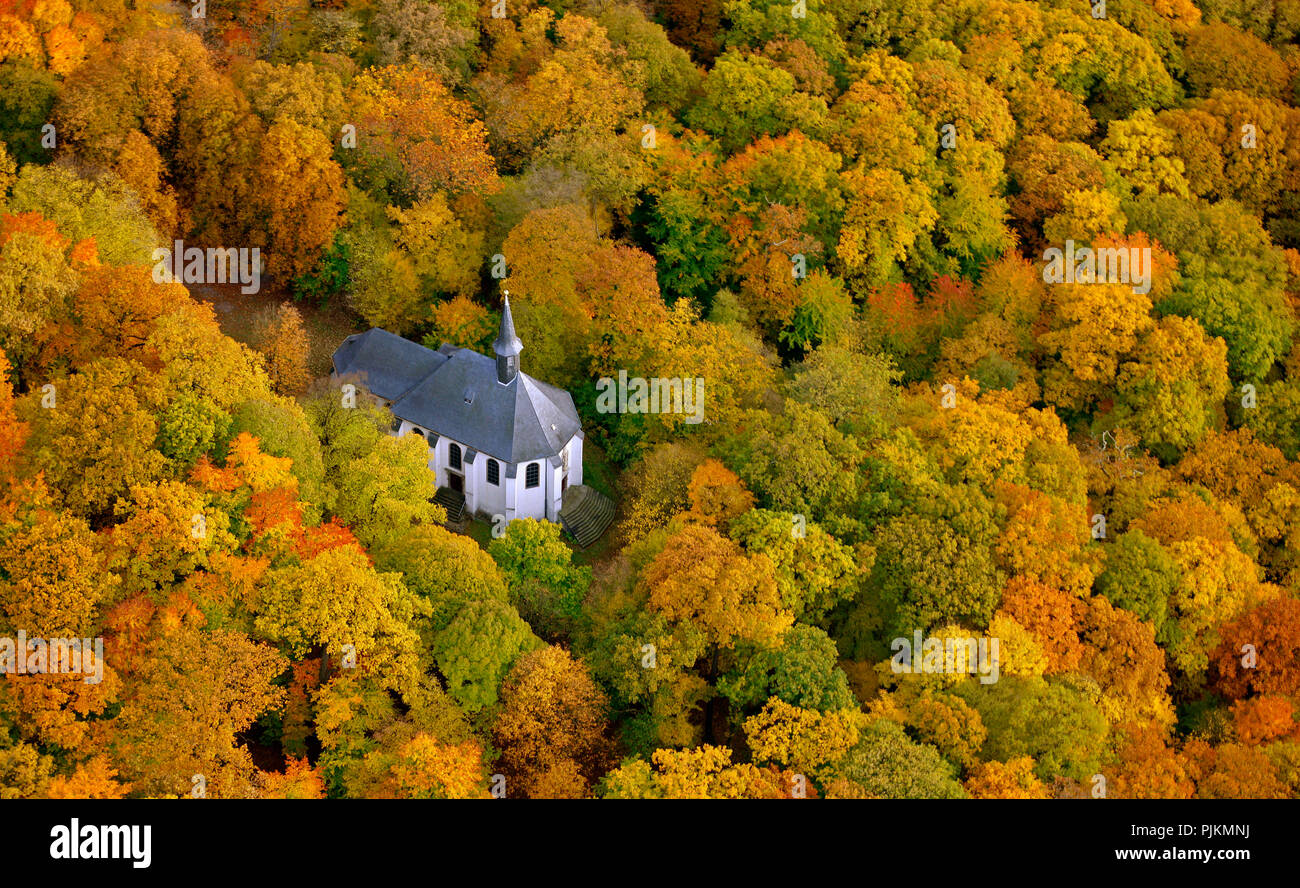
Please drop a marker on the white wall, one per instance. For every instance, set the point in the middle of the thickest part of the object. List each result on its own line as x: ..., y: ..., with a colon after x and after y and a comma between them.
x: 511, y: 498
x: 530, y: 503
x: 491, y: 498
x: 574, y: 450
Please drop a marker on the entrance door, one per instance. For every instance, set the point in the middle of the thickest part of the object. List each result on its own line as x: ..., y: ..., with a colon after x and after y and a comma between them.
x: 456, y: 482
x: 564, y: 484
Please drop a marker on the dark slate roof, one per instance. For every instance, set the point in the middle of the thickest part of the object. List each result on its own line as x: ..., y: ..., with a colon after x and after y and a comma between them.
x: 459, y: 397
x: 507, y: 343
x: 389, y: 365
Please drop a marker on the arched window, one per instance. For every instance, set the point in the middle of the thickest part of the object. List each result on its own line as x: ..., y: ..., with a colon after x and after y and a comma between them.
x: 494, y: 472
x: 453, y: 456
x: 532, y: 475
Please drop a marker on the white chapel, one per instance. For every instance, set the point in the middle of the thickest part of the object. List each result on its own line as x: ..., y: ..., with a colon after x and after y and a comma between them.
x: 507, y: 443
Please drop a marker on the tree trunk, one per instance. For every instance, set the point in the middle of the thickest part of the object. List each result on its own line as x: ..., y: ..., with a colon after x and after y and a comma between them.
x: 708, y: 704
x: 324, y: 663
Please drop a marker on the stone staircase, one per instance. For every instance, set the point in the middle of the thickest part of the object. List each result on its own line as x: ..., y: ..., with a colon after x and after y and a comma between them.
x: 453, y: 502
x: 585, y: 513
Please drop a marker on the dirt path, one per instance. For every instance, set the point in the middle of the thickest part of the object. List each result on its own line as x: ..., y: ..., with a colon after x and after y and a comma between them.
x: 326, y: 327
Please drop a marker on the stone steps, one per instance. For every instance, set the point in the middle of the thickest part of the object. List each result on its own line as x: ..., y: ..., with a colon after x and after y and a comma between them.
x: 453, y: 502
x: 586, y: 514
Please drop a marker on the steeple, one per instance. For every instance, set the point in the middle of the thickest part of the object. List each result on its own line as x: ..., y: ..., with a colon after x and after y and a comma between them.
x: 507, y: 346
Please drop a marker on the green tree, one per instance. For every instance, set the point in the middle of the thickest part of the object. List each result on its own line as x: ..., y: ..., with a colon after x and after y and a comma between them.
x: 545, y: 586
x: 1058, y: 723
x: 1171, y: 392
x: 477, y: 649
x: 745, y: 96
x: 800, y: 669
x: 1141, y: 577
x: 385, y: 492
x: 885, y: 763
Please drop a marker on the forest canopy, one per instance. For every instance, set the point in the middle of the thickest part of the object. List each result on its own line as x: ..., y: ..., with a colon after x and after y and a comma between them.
x: 840, y: 216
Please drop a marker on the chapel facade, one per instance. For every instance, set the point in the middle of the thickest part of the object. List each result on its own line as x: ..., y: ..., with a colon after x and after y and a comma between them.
x: 510, y: 444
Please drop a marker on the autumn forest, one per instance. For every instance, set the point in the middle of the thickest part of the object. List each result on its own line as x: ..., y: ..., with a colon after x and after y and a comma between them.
x: 993, y: 490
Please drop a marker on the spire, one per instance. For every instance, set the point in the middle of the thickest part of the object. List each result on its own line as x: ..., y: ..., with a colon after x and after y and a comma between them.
x: 507, y: 346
